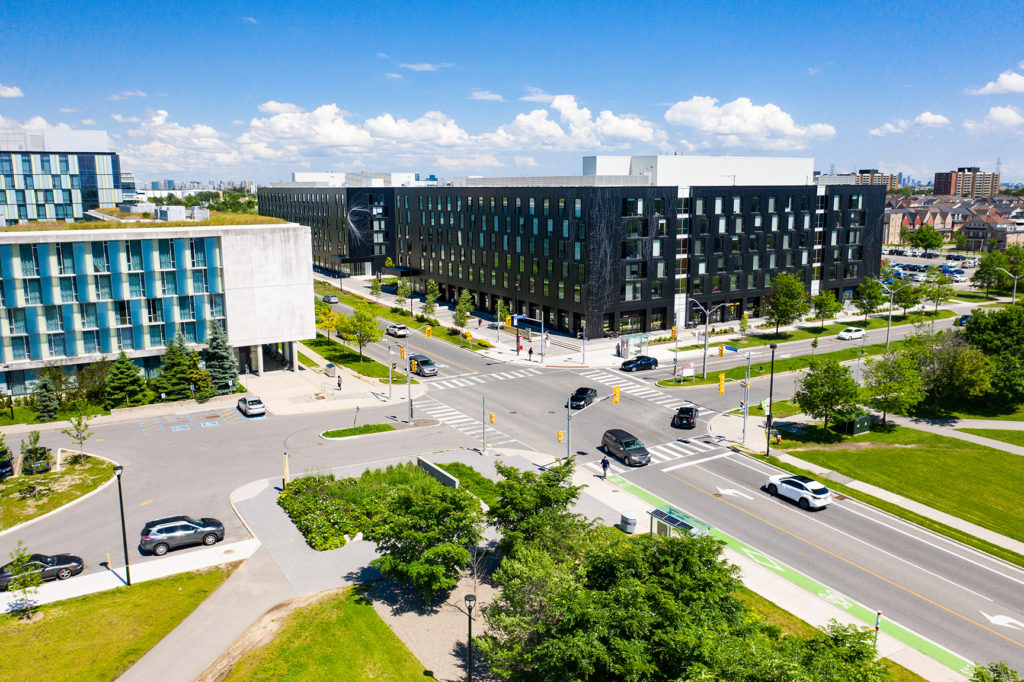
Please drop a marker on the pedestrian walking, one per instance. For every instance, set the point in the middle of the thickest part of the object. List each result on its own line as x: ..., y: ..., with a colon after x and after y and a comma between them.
x: 339, y: 382
x: 604, y: 466
x: 531, y: 353
x: 479, y: 322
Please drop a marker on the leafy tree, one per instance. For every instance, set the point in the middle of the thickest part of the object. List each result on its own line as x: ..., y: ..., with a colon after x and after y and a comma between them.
x: 925, y: 237
x: 787, y: 300
x: 199, y: 381
x: 938, y: 288
x: 529, y: 504
x: 960, y: 240
x: 359, y: 328
x: 501, y: 309
x: 827, y: 390
x: 47, y: 402
x: 404, y: 292
x: 870, y: 297
x: 907, y: 296
x: 125, y: 383
x: 995, y: 672
x: 221, y: 361
x: 988, y: 274
x: 430, y: 300
x: 375, y: 288
x: 63, y: 383
x: 892, y: 383
x: 463, y: 308
x: 825, y: 306
x: 78, y: 431
x: 90, y: 383
x: 24, y: 583
x: 388, y: 263
x: 325, y: 315
x: 949, y: 366
x: 999, y: 334
x: 424, y: 535
x: 174, y: 379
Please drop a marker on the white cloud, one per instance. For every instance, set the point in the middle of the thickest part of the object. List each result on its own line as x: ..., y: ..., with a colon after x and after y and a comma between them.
x: 250, y: 20
x: 126, y: 94
x: 88, y: 122
x: 814, y: 70
x: 927, y: 119
x: 433, y: 126
x: 167, y: 145
x: 524, y: 161
x: 325, y: 126
x: 999, y: 119
x: 69, y: 110
x: 536, y: 95
x: 1008, y: 81
x: 10, y: 91
x: 742, y: 123
x: 393, y: 75
x: 382, y: 55
x: 425, y: 66
x: 900, y: 126
x: 125, y: 119
x: 486, y: 95
x: 34, y: 123
x: 688, y: 146
x: 274, y: 107
x: 471, y: 161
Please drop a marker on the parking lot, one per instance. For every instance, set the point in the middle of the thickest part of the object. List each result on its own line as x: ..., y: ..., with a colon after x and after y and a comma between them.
x: 919, y: 264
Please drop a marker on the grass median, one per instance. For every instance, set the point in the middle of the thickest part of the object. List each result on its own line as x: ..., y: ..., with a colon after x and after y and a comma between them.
x: 358, y: 430
x: 343, y: 356
x: 52, y: 489
x: 99, y: 636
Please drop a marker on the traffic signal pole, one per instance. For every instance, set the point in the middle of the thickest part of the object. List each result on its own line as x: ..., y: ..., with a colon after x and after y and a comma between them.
x: 408, y: 382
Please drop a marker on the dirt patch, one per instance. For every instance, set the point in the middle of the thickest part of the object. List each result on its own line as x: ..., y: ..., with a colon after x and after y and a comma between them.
x: 260, y: 634
x: 855, y: 446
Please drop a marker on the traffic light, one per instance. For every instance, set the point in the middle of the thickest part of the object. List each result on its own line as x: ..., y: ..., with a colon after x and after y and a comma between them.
x: 721, y: 383
x: 413, y: 365
x: 721, y: 351
x: 492, y: 417
x: 673, y: 333
x: 428, y: 331
x: 742, y: 405
x: 401, y: 351
x: 616, y: 394
x: 468, y: 335
x: 561, y: 436
x: 508, y: 320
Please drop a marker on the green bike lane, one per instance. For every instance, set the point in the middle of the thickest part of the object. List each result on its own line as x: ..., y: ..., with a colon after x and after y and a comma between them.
x: 865, y: 615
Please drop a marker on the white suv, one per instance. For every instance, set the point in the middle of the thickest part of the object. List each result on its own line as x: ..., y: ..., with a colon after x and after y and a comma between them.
x: 806, y: 492
x: 398, y: 330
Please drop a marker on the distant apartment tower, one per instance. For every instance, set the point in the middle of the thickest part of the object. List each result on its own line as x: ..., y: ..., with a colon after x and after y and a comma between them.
x: 871, y: 176
x: 967, y: 181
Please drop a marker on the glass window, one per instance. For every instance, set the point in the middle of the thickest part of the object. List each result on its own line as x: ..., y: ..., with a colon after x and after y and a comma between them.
x: 100, y: 257
x: 55, y: 344
x: 68, y: 290
x: 33, y: 291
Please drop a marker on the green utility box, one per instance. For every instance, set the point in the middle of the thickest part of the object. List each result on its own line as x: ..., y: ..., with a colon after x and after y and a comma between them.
x: 858, y: 425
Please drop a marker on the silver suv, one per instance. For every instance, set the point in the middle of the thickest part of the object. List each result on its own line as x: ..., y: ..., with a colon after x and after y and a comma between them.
x: 179, y: 531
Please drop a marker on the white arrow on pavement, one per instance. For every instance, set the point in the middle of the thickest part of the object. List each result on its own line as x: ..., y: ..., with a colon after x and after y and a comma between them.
x: 1005, y: 621
x: 730, y: 491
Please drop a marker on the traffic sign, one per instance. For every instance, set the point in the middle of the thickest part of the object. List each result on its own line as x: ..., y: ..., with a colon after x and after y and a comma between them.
x: 734, y: 350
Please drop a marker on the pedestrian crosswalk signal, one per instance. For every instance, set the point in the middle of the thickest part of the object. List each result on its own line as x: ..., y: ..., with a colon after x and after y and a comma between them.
x: 721, y: 351
x: 561, y: 436
x: 428, y: 331
x: 616, y: 394
x: 492, y: 417
x: 721, y: 383
x: 401, y: 351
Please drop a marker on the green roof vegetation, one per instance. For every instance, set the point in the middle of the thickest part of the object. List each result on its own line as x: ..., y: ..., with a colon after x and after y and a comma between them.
x: 216, y: 218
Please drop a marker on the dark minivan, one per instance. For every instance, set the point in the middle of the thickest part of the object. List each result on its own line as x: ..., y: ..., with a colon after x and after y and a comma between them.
x: 626, y: 447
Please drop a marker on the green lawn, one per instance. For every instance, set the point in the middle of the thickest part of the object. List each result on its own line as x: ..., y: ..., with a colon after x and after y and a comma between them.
x: 307, y: 361
x: 338, y: 637
x: 343, y: 356
x: 70, y: 484
x: 1013, y: 413
x: 27, y: 415
x: 781, y: 408
x: 99, y: 636
x: 990, y: 483
x: 473, y: 481
x: 763, y: 339
x: 972, y: 296
x: 358, y: 430
x: 1005, y: 435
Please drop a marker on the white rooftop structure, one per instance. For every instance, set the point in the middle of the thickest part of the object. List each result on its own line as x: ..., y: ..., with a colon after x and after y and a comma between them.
x: 355, y: 179
x: 687, y: 171
x: 87, y: 141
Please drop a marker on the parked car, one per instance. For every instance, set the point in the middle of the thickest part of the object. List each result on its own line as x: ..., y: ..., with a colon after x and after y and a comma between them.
x: 685, y: 418
x: 851, y: 333
x: 422, y: 365
x: 963, y: 320
x: 6, y: 465
x: 330, y: 298
x: 398, y: 330
x: 959, y: 279
x: 56, y: 567
x: 172, y: 532
x: 806, y: 492
x: 919, y: 277
x: 626, y: 447
x: 639, y: 362
x: 251, y: 406
x: 582, y: 397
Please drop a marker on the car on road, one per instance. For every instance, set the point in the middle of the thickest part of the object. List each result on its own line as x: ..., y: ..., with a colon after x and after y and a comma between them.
x: 251, y: 406
x: 851, y: 333
x: 330, y: 298
x: 582, y: 397
x: 422, y: 365
x: 806, y: 492
x: 56, y: 567
x: 626, y: 447
x: 638, y: 363
x: 398, y: 330
x: 685, y: 418
x: 172, y: 532
x: 963, y: 320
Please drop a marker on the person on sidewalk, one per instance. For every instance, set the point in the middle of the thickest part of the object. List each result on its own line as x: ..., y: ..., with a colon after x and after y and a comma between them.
x: 604, y: 466
x: 339, y: 382
x: 479, y: 322
x: 531, y: 353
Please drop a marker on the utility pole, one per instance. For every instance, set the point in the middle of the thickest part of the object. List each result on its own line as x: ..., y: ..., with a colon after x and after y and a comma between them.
x: 389, y: 369
x: 707, y: 320
x: 746, y: 400
x: 568, y: 427
x: 515, y: 320
x: 771, y: 388
x: 483, y: 424
x: 408, y: 379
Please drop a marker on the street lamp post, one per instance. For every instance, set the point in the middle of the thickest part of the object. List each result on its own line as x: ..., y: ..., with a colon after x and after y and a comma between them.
x: 707, y: 320
x: 892, y: 292
x: 408, y: 379
x: 568, y: 427
x: 771, y: 389
x: 1015, y: 278
x: 389, y: 369
x: 118, y: 470
x: 516, y: 321
x: 746, y: 399
x: 470, y: 600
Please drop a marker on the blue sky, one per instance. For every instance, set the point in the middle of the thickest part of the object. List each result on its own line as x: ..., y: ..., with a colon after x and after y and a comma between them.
x: 258, y: 89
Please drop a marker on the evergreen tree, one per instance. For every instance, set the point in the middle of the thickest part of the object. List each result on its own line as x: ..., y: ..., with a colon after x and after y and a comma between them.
x: 198, y: 378
x: 173, y: 381
x: 47, y: 402
x: 124, y: 383
x: 221, y: 362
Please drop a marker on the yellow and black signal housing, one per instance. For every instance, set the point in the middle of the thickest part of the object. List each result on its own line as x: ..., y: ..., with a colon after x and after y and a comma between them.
x: 401, y: 351
x: 428, y: 331
x: 616, y: 394
x: 721, y: 383
x: 721, y: 351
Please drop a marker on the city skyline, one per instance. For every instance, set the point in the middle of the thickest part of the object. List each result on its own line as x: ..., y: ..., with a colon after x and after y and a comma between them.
x: 259, y: 91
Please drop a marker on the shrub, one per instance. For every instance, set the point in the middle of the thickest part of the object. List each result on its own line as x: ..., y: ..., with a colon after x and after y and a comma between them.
x: 31, y: 491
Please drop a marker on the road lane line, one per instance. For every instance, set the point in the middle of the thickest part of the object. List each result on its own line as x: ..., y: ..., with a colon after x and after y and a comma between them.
x: 696, y: 461
x: 852, y: 563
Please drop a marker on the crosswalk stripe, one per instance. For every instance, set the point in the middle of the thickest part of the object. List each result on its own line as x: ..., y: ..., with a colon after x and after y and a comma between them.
x: 698, y: 461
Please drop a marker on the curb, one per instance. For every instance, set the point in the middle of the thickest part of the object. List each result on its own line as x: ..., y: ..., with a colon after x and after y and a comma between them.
x: 73, y: 502
x: 423, y: 424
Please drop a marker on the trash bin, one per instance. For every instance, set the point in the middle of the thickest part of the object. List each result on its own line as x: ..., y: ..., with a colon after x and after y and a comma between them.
x: 331, y: 369
x: 628, y: 521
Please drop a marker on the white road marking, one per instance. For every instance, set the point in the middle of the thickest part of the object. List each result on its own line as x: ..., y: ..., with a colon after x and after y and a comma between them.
x: 732, y: 491
x: 1004, y: 621
x: 698, y: 461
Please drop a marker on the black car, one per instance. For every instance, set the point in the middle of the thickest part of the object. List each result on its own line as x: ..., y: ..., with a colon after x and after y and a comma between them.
x: 6, y: 466
x: 57, y: 567
x: 639, y: 362
x: 582, y: 397
x: 685, y: 418
x: 179, y: 531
